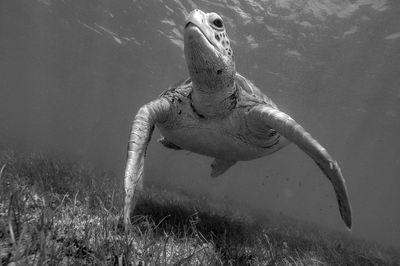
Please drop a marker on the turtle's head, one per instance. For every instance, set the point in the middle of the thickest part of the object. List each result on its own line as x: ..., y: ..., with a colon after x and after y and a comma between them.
x: 208, y: 53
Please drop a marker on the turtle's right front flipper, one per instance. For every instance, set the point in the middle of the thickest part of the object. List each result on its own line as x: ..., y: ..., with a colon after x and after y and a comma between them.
x: 270, y: 117
x: 142, y: 128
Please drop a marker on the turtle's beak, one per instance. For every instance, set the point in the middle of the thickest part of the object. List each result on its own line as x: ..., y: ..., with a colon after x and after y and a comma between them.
x: 196, y: 21
x: 187, y: 24
x: 197, y: 17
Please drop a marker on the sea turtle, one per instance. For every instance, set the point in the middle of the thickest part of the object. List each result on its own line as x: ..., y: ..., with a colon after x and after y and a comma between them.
x: 219, y: 113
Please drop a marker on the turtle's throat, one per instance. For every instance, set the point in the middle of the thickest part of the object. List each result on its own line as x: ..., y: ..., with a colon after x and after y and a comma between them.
x: 214, y: 90
x: 217, y: 103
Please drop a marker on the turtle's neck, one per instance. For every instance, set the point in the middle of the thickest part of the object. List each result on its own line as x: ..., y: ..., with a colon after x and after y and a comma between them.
x: 213, y: 97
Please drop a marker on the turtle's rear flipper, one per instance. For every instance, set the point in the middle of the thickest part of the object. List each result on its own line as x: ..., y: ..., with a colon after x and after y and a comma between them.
x: 290, y: 129
x: 167, y: 144
x: 219, y: 166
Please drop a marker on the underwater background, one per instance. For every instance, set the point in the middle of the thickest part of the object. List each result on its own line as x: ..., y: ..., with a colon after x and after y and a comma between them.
x: 74, y: 73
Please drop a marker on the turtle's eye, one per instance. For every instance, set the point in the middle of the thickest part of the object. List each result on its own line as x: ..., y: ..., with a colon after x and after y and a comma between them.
x: 215, y: 21
x: 218, y: 23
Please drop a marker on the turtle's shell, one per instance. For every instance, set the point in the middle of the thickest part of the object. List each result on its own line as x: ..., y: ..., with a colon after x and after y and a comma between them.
x: 228, y: 136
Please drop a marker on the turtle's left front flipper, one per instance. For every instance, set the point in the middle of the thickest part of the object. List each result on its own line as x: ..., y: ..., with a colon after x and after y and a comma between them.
x: 142, y: 128
x: 290, y: 129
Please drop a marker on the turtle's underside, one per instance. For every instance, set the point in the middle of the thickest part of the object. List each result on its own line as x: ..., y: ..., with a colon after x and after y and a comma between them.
x: 219, y: 113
